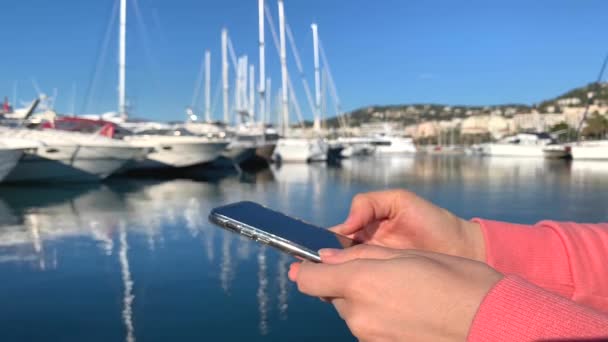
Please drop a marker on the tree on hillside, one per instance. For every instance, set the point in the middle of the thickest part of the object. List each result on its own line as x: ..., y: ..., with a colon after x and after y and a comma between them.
x: 564, y: 131
x: 597, y: 126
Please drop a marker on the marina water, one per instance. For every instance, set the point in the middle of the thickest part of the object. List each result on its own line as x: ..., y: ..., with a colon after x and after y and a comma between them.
x: 137, y: 259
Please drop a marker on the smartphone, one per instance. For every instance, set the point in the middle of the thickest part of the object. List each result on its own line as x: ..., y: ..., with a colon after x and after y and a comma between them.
x: 277, y: 230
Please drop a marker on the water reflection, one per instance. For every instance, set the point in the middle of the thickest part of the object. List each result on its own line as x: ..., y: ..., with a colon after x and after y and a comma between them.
x: 131, y: 248
x: 262, y: 293
x: 227, y: 268
x: 128, y: 297
x: 282, y: 280
x: 113, y: 214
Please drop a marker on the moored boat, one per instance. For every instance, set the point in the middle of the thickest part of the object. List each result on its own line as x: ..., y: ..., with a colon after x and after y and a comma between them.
x: 57, y: 156
x: 301, y: 150
x: 393, y: 144
x: 590, y: 150
x: 174, y: 151
x: 540, y: 145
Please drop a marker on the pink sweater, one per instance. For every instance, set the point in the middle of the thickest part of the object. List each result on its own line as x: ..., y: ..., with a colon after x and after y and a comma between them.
x: 565, y: 292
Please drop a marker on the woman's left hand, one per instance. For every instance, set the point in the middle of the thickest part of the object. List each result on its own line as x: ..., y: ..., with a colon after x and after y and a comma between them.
x: 398, y: 295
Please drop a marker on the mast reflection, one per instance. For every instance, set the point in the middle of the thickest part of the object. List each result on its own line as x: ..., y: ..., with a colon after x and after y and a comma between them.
x: 127, y: 282
x: 283, y: 269
x: 262, y: 293
x: 226, y: 267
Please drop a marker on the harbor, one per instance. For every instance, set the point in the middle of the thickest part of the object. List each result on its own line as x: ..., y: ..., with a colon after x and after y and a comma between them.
x: 40, y: 145
x: 109, y: 171
x: 139, y: 258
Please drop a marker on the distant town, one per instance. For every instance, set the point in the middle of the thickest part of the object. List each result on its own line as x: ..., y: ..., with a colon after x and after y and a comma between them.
x: 442, y: 124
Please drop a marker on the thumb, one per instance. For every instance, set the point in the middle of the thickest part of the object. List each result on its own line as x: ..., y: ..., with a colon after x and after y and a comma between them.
x: 338, y: 256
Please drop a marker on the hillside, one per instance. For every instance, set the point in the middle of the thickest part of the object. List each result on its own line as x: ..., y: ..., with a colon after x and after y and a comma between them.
x: 414, y: 113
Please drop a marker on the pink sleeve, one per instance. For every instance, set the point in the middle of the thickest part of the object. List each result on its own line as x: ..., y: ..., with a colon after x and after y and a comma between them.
x: 517, y: 311
x: 569, y: 259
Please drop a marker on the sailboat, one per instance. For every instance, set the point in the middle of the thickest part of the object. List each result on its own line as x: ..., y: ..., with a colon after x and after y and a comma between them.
x: 292, y: 148
x: 590, y: 150
x: 170, y: 148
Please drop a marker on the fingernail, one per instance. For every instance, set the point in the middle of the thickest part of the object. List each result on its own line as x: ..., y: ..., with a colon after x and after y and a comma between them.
x: 328, y: 252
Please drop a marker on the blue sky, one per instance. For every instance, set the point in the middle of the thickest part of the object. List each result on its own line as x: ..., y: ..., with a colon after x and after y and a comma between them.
x: 381, y: 52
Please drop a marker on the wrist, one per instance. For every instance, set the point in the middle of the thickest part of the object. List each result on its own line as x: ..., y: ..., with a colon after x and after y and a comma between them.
x: 474, y: 241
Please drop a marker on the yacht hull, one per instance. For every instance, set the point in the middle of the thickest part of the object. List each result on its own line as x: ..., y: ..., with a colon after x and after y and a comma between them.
x: 239, y: 154
x: 8, y: 160
x: 178, y: 154
x: 534, y: 151
x: 300, y: 150
x: 395, y: 145
x: 72, y: 163
x: 591, y: 151
x: 265, y: 151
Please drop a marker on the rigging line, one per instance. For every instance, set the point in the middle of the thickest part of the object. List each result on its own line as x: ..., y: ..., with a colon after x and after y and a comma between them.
x: 36, y: 87
x: 197, y: 84
x: 158, y: 27
x: 296, y: 105
x: 100, y: 59
x: 597, y: 83
x: 332, y: 84
x: 143, y: 32
x: 216, y: 96
x: 275, y: 40
x: 232, y: 54
x: 296, y: 55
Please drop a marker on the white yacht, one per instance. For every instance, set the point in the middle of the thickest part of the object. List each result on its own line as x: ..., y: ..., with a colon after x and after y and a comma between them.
x: 171, y: 151
x: 355, y: 146
x: 590, y: 150
x: 170, y: 147
x: 393, y: 144
x: 68, y: 156
x: 301, y: 150
x: 250, y: 142
x: 539, y: 145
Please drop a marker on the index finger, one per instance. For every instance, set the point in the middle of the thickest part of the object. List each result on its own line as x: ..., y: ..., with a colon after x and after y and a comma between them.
x: 367, y: 208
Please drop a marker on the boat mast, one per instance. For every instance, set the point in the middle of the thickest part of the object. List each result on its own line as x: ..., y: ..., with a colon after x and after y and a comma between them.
x: 208, y: 86
x: 225, y: 75
x: 283, y: 54
x: 315, y: 40
x: 323, y: 111
x: 262, y: 67
x: 268, y: 103
x: 122, y: 58
x: 252, y: 92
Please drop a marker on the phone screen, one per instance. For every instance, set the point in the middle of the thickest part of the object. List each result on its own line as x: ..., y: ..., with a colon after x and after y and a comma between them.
x: 283, y: 226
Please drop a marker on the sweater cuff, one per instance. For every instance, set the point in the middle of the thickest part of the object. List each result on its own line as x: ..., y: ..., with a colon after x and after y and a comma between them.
x: 515, y: 310
x: 535, y: 253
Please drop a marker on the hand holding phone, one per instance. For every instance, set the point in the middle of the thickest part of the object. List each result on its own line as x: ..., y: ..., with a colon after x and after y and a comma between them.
x: 277, y: 230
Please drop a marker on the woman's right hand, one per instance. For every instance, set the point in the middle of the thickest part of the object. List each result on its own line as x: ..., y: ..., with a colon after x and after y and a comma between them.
x: 400, y: 219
